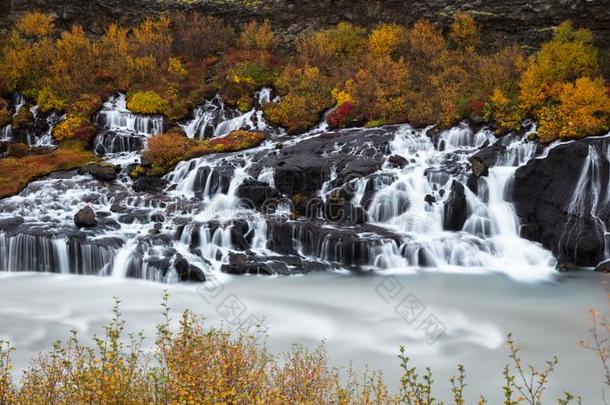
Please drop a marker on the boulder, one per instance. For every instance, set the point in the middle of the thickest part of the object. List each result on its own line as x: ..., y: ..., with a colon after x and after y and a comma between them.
x: 487, y: 157
x: 149, y: 184
x: 100, y: 171
x: 187, y: 271
x: 455, y: 209
x: 85, y: 218
x: 255, y: 193
x: 397, y: 161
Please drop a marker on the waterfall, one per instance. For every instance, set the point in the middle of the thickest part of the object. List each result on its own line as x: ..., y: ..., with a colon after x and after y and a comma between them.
x: 121, y: 130
x: 6, y: 133
x: 214, y: 118
x: 399, y: 221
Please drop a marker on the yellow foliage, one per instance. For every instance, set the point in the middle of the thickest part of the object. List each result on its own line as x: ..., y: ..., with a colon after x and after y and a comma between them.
x: 381, y: 90
x: 385, y: 39
x: 35, y: 24
x: 342, y: 96
x: 257, y: 36
x: 464, y: 31
x: 153, y: 38
x: 176, y: 68
x: 147, y: 102
x: 583, y: 110
x: 568, y: 56
x: 74, y: 63
x: 48, y: 100
x: 424, y: 43
x: 332, y: 47
x: 73, y: 127
x: 503, y: 111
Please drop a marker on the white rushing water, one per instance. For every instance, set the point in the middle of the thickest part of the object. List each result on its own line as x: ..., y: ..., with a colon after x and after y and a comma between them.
x: 360, y: 319
x: 471, y: 279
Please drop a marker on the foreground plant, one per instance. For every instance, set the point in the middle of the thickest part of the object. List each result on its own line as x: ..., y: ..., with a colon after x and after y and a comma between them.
x: 195, y: 365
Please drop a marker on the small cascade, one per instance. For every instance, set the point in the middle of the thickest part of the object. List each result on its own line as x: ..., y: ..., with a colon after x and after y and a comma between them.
x: 18, y: 100
x: 6, y: 133
x: 214, y: 118
x: 45, y: 138
x: 121, y: 130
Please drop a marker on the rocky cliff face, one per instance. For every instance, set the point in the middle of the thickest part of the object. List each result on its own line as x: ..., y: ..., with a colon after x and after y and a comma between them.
x: 528, y: 21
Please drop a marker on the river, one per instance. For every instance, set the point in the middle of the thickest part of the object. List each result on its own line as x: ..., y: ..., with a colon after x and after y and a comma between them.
x: 362, y: 319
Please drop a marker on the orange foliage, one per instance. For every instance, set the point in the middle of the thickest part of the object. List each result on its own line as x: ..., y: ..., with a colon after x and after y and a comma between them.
x: 583, y: 110
x: 35, y: 24
x: 255, y: 36
x: 464, y: 31
x: 166, y: 150
x: 33, y: 167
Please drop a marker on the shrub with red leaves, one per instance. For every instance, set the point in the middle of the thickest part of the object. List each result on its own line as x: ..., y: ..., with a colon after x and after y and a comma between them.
x: 339, y: 116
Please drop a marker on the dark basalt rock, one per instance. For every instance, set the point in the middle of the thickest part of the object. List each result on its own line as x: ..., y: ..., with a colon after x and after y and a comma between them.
x: 542, y: 192
x: 304, y: 167
x: 219, y: 179
x: 255, y: 193
x: 241, y: 236
x: 485, y: 158
x: 240, y: 263
x: 398, y: 161
x: 149, y: 184
x: 455, y: 210
x: 187, y: 271
x: 100, y: 171
x: 85, y: 218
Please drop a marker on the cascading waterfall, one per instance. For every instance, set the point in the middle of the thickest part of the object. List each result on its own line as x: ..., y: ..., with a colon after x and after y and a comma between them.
x: 200, y: 216
x: 214, y: 119
x: 121, y: 130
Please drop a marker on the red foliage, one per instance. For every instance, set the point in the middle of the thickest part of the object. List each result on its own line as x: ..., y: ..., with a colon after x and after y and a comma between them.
x: 476, y: 107
x: 338, y: 117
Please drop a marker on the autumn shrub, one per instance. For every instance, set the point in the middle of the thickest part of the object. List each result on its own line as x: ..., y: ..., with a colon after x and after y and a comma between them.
x: 48, y: 100
x: 74, y: 127
x: 464, y: 31
x: 35, y: 24
x: 15, y: 173
x: 386, y: 39
x: 305, y: 92
x: 333, y: 45
x: 583, y: 110
x: 380, y: 90
x: 167, y: 150
x: 197, y: 36
x: 340, y: 116
x: 86, y: 105
x: 568, y: 56
x: 6, y: 115
x: 23, y: 119
x: 7, y: 390
x: 194, y: 364
x: 74, y: 63
x: 19, y: 150
x: 255, y: 36
x: 147, y: 102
